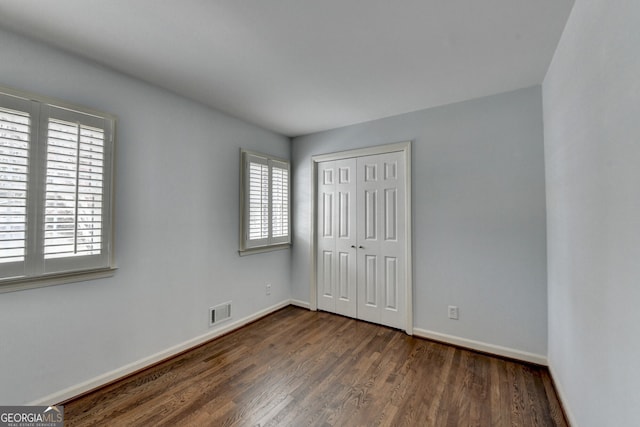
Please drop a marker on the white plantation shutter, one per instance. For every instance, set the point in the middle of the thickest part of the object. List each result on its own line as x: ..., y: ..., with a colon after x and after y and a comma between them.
x: 55, y: 189
x: 265, y: 201
x: 258, y: 200
x: 73, y: 195
x: 280, y: 201
x: 76, y: 228
x: 15, y: 141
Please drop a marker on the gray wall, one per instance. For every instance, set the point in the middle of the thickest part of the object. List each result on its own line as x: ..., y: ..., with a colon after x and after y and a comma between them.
x: 478, y: 214
x: 176, y: 233
x: 592, y: 155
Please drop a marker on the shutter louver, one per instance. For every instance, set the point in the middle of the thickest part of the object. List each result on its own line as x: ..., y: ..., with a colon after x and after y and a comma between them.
x: 74, y: 190
x: 14, y: 168
x: 258, y: 201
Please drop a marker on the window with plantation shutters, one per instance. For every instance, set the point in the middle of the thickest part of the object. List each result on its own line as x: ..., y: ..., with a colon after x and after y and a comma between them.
x: 55, y: 190
x: 264, y: 203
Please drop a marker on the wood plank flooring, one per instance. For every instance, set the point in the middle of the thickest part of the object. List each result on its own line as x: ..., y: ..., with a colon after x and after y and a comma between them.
x: 302, y: 368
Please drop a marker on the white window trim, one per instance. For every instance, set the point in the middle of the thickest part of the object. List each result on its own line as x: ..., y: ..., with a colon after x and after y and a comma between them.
x: 270, y: 243
x: 108, y: 268
x: 23, y: 284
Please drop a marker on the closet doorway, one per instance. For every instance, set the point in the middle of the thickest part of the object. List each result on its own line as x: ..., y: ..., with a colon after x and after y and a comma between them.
x: 361, y: 234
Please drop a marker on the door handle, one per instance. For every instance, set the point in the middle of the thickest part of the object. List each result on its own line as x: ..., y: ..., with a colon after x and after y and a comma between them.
x: 360, y: 247
x: 353, y: 246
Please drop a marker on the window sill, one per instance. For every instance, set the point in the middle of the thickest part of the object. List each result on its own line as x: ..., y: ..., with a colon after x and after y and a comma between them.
x: 262, y: 249
x: 21, y: 284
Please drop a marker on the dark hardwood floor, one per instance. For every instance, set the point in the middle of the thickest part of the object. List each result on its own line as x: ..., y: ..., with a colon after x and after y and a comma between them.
x: 302, y: 368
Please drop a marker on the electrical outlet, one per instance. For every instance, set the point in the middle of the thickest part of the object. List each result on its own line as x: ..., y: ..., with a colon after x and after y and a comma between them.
x: 268, y: 289
x: 453, y: 312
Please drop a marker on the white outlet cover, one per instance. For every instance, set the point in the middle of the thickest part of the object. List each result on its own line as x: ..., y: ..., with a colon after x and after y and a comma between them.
x: 453, y: 312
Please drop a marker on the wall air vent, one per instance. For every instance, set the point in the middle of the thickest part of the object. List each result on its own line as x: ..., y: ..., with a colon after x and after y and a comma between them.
x: 219, y: 313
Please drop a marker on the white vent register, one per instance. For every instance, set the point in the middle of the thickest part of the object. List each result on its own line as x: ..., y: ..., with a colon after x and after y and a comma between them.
x: 219, y: 313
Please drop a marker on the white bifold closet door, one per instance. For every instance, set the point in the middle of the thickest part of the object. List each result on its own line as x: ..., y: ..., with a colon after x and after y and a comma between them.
x: 337, y: 241
x: 361, y: 265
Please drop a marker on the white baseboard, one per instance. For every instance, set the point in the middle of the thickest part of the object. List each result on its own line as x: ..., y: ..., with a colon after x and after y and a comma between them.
x: 108, y: 377
x: 300, y: 304
x: 561, y: 396
x: 482, y: 346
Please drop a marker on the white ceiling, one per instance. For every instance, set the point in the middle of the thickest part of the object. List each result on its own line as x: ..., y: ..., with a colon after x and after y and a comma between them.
x: 301, y: 66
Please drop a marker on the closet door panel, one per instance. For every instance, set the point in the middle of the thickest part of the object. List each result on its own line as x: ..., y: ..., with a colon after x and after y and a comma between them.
x: 336, y: 230
x: 326, y: 236
x: 381, y: 191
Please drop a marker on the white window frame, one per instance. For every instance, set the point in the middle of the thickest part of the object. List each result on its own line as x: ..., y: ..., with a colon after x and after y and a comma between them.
x: 269, y: 242
x: 38, y: 270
